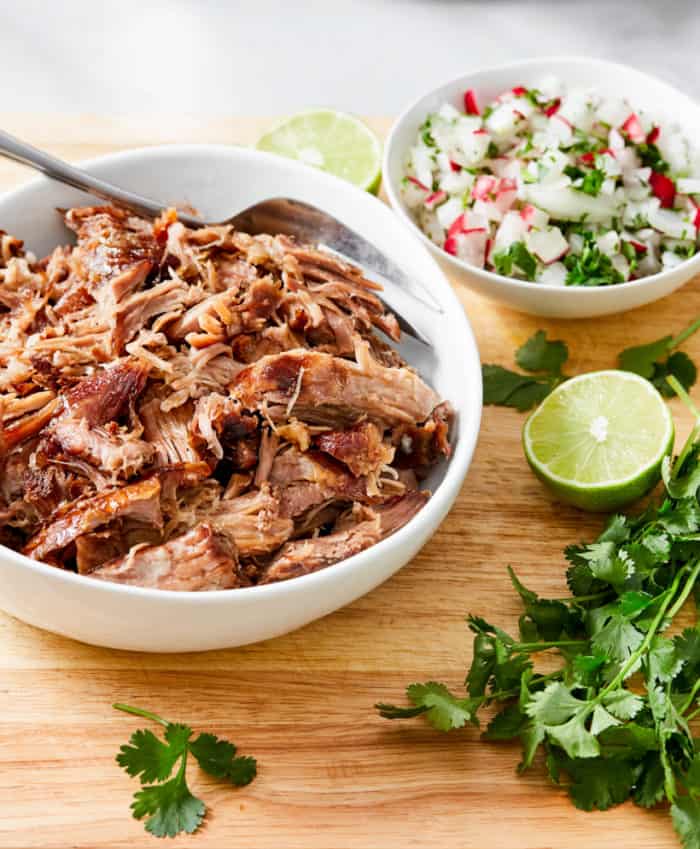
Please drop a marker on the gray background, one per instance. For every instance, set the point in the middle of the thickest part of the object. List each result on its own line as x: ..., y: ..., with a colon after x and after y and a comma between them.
x: 264, y: 57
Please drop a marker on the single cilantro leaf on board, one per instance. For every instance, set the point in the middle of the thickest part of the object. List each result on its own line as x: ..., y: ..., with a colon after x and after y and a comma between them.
x: 642, y: 359
x: 149, y: 757
x: 443, y: 710
x: 170, y: 808
x: 685, y: 814
x: 540, y: 354
x: 218, y: 758
x: 166, y: 802
x: 509, y: 389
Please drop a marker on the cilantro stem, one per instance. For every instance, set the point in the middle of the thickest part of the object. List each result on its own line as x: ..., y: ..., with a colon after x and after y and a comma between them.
x: 140, y: 712
x: 691, y: 716
x: 651, y: 633
x: 575, y: 599
x: 500, y: 695
x: 548, y: 644
x: 689, y: 700
x: 684, y: 334
x: 687, y: 589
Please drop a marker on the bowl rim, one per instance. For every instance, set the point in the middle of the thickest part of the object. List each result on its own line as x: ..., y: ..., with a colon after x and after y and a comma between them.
x: 423, y: 524
x: 692, y: 265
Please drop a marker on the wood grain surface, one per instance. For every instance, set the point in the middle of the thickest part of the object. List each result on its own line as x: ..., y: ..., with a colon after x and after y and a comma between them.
x: 333, y: 775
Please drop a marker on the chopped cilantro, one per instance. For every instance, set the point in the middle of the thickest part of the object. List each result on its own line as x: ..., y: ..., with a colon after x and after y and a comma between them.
x: 591, y: 267
x: 517, y: 256
x: 651, y: 158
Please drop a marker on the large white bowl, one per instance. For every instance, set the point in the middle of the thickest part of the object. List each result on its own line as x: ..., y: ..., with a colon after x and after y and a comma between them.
x: 665, y: 103
x: 219, y: 180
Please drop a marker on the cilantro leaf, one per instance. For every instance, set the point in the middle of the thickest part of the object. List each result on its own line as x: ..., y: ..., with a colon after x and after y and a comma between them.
x: 217, y: 757
x: 685, y: 814
x: 517, y: 256
x: 151, y: 758
x: 650, y: 790
x: 171, y: 806
x: 593, y: 182
x: 507, y: 724
x: 656, y: 362
x: 510, y: 389
x: 442, y: 709
x: 167, y: 802
x: 540, y: 354
x: 613, y: 634
x: 598, y: 783
x: 591, y: 267
x: 642, y: 359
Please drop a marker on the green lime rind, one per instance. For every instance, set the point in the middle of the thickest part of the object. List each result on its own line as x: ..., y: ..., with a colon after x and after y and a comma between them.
x: 335, y: 142
x: 600, y: 467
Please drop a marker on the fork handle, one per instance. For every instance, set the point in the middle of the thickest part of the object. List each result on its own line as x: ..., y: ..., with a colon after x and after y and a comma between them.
x: 19, y: 151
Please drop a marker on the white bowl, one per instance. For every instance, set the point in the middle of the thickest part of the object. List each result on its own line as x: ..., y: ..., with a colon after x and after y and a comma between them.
x: 219, y: 180
x: 665, y: 103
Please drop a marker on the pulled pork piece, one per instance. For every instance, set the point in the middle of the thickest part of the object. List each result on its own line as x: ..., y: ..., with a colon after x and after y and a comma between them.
x: 196, y: 561
x: 139, y: 501
x: 305, y: 480
x: 305, y: 556
x: 359, y: 447
x: 114, y: 451
x: 109, y: 393
x: 423, y: 445
x: 323, y: 389
x: 253, y: 521
x: 168, y: 433
x: 220, y: 424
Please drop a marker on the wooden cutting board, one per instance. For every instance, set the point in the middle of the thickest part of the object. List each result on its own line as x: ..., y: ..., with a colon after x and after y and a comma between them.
x: 333, y: 775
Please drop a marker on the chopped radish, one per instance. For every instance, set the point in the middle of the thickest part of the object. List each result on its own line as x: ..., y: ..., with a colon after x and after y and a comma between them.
x: 435, y: 199
x: 553, y: 275
x: 653, y: 135
x: 447, y: 212
x: 459, y: 225
x: 548, y: 245
x: 664, y: 189
x: 450, y: 245
x: 519, y: 91
x: 455, y: 166
x: 533, y: 216
x: 696, y: 218
x: 564, y: 120
x: 471, y: 107
x: 480, y: 132
x: 511, y: 229
x: 633, y: 129
x: 671, y: 223
x: 469, y: 246
x: 615, y: 140
x: 638, y: 246
x: 553, y: 107
x: 484, y: 187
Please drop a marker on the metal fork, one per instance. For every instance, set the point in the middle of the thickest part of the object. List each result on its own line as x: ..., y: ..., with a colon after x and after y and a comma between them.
x: 295, y: 218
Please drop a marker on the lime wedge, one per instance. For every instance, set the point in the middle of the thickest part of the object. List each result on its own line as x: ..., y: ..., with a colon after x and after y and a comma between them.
x: 332, y: 141
x: 599, y: 439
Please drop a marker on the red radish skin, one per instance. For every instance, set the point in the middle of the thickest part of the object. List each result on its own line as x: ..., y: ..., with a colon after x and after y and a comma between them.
x: 633, y: 129
x: 519, y: 91
x: 417, y: 182
x: 484, y: 187
x: 435, y: 199
x: 696, y: 220
x: 654, y: 134
x: 480, y: 132
x: 459, y: 225
x: 451, y: 245
x: 553, y: 108
x: 527, y: 213
x: 638, y: 247
x: 589, y: 158
x: 563, y: 120
x: 471, y: 107
x: 455, y: 166
x: 664, y: 189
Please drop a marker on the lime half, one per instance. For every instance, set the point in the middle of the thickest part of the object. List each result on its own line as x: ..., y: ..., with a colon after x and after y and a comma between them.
x: 332, y: 141
x: 599, y: 439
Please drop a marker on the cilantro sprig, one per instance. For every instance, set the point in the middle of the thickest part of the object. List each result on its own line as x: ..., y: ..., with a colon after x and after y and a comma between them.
x: 166, y: 801
x: 544, y: 361
x: 613, y: 718
x: 542, y: 358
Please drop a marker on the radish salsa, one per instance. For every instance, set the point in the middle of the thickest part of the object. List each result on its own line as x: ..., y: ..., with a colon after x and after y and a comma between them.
x: 557, y: 187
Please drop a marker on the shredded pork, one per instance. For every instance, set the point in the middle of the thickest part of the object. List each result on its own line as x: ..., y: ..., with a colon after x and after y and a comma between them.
x: 202, y: 409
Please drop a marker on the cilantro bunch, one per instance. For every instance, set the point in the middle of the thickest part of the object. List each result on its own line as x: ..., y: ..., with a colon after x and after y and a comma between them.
x: 167, y: 802
x: 613, y: 718
x: 543, y: 361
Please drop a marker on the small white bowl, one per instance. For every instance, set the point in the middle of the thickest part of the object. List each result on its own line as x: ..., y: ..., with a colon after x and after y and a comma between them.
x: 658, y: 99
x: 219, y: 180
